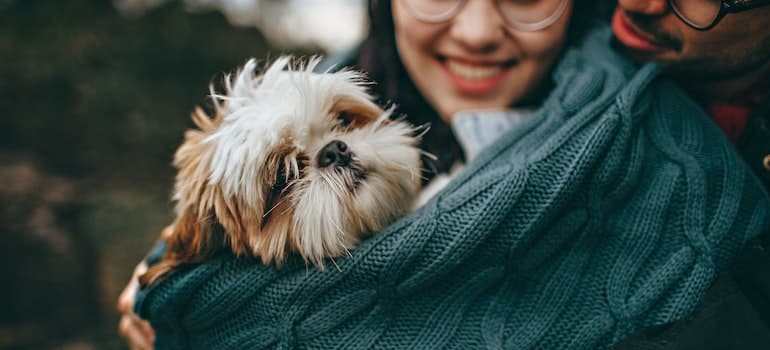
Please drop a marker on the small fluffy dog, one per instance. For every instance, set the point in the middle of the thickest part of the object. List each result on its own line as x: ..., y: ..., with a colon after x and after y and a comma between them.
x: 293, y: 161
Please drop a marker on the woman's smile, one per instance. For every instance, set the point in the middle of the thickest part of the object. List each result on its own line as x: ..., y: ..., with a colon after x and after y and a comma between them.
x: 475, y: 78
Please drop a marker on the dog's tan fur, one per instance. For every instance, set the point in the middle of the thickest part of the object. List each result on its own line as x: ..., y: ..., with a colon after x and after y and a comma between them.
x: 209, y: 221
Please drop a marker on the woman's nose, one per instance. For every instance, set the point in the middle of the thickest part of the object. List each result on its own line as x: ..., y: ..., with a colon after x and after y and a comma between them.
x: 478, y: 26
x: 647, y: 7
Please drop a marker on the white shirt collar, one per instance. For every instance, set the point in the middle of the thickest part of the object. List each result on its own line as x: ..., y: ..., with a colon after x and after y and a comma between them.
x: 478, y: 129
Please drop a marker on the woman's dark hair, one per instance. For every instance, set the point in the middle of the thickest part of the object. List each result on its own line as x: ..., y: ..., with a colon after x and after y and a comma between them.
x: 380, y: 60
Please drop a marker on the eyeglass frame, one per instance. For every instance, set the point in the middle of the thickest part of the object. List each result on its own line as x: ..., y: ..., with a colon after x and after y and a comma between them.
x: 524, y: 27
x: 726, y: 7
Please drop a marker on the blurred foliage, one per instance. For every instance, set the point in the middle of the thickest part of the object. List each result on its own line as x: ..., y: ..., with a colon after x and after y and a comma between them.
x: 91, y: 92
x: 93, y: 106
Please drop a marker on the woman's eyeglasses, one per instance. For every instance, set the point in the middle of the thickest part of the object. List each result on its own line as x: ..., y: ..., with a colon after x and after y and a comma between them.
x: 705, y: 14
x: 524, y: 15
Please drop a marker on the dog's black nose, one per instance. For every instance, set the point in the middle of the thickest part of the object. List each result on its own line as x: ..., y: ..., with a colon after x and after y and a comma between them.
x: 334, y: 153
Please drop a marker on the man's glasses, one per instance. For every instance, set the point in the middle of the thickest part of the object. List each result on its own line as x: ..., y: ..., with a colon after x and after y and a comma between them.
x: 705, y: 14
x: 524, y: 15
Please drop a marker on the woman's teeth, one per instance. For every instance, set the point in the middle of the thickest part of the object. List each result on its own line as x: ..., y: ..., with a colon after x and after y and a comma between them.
x: 473, y: 72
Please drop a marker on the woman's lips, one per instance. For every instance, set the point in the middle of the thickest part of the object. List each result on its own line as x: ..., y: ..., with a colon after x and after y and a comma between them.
x: 475, y: 78
x: 631, y: 36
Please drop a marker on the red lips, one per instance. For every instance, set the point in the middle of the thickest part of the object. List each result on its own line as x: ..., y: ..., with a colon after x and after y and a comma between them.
x: 633, y: 37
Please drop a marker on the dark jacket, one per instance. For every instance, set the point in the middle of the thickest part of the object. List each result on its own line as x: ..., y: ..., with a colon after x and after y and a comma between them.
x: 735, y: 313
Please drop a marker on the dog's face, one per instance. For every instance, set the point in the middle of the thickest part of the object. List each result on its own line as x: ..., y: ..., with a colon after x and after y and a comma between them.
x: 293, y: 161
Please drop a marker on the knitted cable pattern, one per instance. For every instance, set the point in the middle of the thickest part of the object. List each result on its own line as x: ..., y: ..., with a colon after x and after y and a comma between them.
x: 611, y: 210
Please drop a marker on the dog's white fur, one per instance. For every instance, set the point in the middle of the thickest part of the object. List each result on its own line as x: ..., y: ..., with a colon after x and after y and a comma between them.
x: 277, y: 123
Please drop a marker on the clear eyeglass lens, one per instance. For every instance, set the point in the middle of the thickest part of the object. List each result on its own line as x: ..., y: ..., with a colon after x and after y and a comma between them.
x: 528, y: 11
x: 433, y: 10
x: 700, y: 13
x: 518, y: 13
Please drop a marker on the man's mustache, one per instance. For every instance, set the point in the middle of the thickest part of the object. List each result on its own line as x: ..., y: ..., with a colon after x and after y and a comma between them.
x: 649, y: 24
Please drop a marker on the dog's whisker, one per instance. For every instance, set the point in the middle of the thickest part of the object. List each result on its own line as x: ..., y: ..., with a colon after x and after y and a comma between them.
x: 334, y: 223
x: 407, y: 168
x: 295, y: 167
x: 336, y: 183
x: 429, y: 155
x: 271, y: 209
x: 422, y: 130
x: 335, y: 264
x: 347, y: 251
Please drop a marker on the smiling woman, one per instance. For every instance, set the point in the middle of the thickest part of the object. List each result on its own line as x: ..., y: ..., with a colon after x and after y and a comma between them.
x: 469, y: 58
x: 472, y: 57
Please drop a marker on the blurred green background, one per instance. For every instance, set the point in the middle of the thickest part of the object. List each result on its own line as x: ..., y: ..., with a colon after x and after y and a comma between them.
x: 93, y: 106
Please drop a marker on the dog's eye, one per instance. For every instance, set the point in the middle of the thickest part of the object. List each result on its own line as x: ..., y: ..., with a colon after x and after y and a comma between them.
x: 280, y: 182
x: 351, y: 120
x: 345, y: 119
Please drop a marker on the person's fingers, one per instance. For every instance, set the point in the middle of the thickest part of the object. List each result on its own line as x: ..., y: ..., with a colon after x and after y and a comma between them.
x: 131, y: 330
x: 140, y: 269
x: 137, y: 332
x: 126, y: 299
x: 149, y: 333
x: 166, y: 233
x: 128, y: 295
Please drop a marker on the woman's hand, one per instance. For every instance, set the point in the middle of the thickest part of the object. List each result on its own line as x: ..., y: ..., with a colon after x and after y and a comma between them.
x: 137, y: 332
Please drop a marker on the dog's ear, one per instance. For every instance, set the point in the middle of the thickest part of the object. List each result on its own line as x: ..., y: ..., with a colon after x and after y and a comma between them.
x: 191, y: 241
x: 194, y: 236
x: 357, y: 112
x: 197, y: 237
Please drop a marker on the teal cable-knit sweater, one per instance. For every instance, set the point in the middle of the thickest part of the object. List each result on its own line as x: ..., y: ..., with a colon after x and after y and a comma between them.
x: 611, y: 210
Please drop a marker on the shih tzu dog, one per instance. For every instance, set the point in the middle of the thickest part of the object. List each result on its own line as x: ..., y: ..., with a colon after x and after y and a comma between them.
x: 292, y: 162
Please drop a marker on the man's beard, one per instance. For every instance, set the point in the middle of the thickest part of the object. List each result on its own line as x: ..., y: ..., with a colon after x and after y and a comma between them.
x: 715, y: 68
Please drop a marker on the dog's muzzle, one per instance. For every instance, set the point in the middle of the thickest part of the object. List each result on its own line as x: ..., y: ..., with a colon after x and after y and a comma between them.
x: 334, y: 154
